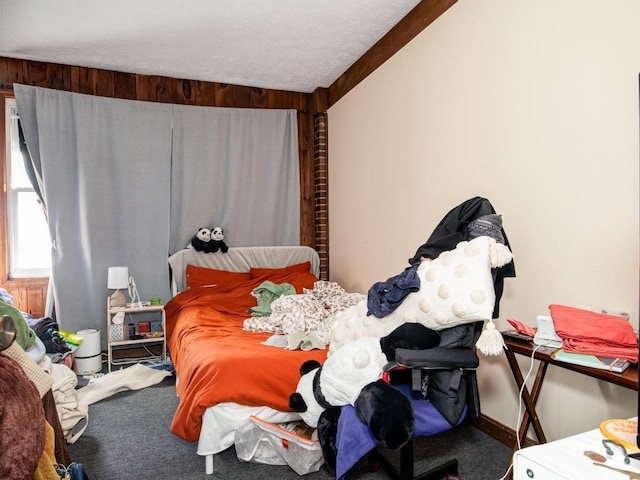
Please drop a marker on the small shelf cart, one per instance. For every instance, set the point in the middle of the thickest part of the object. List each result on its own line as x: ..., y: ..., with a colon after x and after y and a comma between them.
x: 121, y: 338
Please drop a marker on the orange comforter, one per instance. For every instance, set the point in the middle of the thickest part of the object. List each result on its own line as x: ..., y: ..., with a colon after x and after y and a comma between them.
x: 216, y: 361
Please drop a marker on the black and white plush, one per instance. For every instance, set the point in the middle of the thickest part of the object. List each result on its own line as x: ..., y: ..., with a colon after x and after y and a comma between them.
x: 217, y: 240
x: 351, y: 376
x: 201, y: 241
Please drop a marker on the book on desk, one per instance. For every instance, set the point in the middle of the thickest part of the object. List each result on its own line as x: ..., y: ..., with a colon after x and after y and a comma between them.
x: 616, y: 365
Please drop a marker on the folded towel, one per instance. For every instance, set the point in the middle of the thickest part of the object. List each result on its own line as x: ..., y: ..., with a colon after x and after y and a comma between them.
x: 592, y: 333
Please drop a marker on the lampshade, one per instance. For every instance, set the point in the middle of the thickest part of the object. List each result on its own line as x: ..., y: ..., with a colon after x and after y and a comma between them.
x: 118, y: 277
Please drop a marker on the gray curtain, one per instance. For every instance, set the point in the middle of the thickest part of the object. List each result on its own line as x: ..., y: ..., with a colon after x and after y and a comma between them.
x: 236, y: 168
x: 105, y: 171
x: 121, y: 190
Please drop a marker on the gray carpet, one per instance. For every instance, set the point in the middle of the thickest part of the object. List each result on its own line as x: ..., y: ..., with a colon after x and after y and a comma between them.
x: 128, y: 438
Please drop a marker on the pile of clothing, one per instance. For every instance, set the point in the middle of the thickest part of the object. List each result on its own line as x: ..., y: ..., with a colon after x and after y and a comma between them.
x: 593, y: 333
x: 35, y: 336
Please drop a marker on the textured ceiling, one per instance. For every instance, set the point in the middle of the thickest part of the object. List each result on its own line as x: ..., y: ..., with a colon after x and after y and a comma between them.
x: 296, y: 45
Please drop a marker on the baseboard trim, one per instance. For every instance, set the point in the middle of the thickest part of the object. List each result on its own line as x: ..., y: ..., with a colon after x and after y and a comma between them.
x: 499, y: 431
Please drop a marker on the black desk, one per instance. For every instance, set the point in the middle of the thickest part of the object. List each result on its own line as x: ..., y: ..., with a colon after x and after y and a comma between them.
x: 627, y: 379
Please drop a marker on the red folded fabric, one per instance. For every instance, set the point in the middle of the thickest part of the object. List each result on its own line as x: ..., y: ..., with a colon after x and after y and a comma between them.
x: 592, y: 333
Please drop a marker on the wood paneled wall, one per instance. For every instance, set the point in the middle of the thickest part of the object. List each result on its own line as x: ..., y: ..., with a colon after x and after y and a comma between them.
x: 29, y: 294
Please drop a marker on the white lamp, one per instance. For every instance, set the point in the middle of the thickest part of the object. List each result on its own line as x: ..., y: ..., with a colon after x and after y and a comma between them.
x: 117, y: 278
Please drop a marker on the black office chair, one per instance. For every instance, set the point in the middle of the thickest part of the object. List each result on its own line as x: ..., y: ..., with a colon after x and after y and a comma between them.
x: 446, y: 377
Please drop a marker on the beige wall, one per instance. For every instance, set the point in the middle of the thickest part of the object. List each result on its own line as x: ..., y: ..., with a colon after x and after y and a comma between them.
x: 532, y: 104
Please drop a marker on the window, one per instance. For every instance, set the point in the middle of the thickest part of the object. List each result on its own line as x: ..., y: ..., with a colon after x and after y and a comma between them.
x: 29, y: 243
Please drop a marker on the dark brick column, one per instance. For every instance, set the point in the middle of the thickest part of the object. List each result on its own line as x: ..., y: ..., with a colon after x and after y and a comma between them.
x: 321, y: 173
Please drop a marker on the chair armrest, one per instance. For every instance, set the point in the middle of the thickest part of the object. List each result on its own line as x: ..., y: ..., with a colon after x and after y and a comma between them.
x: 438, y: 358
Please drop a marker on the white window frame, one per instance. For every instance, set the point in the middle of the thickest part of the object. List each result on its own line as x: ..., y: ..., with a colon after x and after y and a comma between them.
x: 12, y: 139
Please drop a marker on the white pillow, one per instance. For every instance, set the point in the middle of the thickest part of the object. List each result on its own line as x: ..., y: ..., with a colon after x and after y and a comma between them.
x: 455, y: 288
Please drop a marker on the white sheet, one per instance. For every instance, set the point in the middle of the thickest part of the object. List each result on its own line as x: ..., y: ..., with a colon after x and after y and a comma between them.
x: 219, y: 424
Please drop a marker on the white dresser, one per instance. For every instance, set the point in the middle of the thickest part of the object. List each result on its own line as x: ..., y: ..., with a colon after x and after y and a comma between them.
x: 565, y: 459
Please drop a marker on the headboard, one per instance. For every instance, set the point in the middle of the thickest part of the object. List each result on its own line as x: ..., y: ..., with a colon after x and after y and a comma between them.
x: 240, y: 259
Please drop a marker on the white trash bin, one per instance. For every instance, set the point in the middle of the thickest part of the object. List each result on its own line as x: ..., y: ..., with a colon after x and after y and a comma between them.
x: 88, y: 355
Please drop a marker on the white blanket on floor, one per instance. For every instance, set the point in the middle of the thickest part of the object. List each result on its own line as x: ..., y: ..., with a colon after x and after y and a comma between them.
x: 132, y: 378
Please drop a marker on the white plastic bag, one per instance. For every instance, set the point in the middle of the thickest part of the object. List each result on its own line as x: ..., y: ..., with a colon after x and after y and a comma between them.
x: 259, y: 441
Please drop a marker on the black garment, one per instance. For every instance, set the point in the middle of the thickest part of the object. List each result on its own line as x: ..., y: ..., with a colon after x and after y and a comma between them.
x: 452, y: 230
x: 47, y: 330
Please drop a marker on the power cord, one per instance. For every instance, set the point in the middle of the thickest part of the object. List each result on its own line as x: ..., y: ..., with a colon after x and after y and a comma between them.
x: 524, y: 384
x: 520, y: 401
x: 152, y: 354
x: 133, y: 292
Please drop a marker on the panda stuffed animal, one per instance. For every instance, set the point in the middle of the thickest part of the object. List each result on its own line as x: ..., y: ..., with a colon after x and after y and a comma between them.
x: 217, y: 240
x: 201, y: 241
x: 351, y: 376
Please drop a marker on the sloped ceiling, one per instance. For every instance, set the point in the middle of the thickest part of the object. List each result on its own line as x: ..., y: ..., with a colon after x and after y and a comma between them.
x: 296, y: 45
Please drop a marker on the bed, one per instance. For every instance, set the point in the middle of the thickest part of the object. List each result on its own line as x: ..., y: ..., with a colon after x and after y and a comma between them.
x: 224, y: 373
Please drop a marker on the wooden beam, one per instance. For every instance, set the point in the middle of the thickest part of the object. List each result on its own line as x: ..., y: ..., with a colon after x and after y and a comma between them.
x: 319, y: 101
x: 402, y: 33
